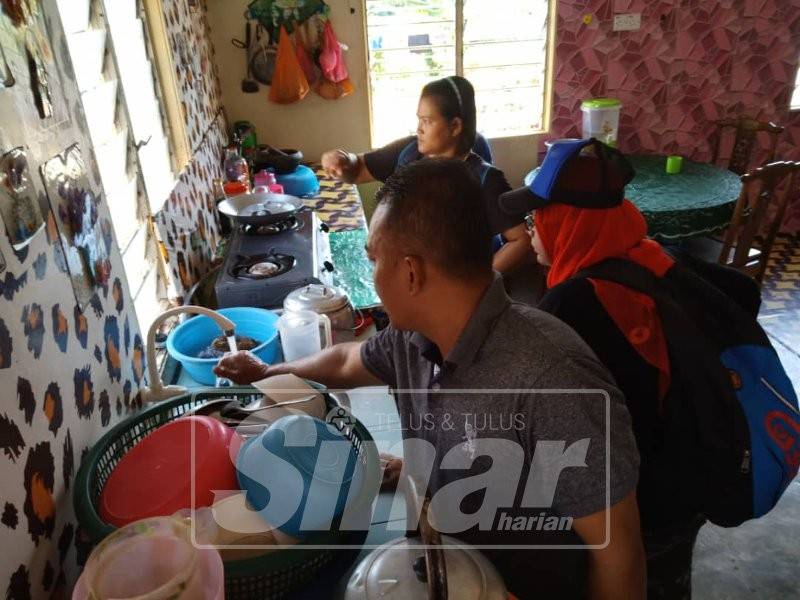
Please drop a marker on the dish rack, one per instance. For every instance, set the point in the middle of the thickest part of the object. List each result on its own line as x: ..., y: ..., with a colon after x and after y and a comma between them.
x: 273, y: 575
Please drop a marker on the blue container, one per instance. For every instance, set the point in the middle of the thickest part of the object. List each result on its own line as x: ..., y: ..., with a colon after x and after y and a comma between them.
x: 298, y: 474
x: 300, y: 182
x: 186, y: 341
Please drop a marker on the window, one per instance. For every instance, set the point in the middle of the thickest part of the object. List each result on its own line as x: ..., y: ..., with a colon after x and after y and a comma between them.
x: 161, y: 144
x: 501, y: 47
x: 795, y: 102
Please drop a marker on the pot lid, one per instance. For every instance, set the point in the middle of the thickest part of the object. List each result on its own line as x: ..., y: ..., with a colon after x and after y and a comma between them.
x: 317, y: 297
x: 397, y: 570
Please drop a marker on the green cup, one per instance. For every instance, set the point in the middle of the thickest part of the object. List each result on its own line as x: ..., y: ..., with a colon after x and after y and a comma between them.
x: 674, y: 164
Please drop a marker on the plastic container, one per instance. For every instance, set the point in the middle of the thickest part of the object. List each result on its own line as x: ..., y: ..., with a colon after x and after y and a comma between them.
x: 187, y: 340
x: 234, y: 188
x: 298, y: 473
x: 155, y: 478
x: 601, y: 119
x: 300, y: 333
x: 152, y: 559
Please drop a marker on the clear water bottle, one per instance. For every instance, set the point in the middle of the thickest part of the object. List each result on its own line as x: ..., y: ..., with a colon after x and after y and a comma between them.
x: 236, y: 166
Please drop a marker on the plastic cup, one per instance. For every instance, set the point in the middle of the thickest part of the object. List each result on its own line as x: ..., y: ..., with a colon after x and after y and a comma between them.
x: 674, y: 164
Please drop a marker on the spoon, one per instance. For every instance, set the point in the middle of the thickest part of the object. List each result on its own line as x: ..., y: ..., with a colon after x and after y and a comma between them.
x: 233, y: 410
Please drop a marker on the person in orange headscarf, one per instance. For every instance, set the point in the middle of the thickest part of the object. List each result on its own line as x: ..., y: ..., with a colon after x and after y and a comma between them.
x: 577, y: 216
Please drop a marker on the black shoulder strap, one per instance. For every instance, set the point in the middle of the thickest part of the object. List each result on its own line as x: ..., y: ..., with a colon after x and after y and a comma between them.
x: 625, y: 272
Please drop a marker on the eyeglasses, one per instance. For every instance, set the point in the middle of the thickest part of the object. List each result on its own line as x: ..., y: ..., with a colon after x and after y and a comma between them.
x: 529, y: 223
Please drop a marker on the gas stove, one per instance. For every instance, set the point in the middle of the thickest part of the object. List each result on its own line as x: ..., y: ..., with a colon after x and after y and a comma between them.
x: 263, y: 264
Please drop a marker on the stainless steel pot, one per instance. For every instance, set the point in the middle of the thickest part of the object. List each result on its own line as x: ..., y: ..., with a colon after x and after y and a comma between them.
x: 410, y: 568
x: 327, y: 301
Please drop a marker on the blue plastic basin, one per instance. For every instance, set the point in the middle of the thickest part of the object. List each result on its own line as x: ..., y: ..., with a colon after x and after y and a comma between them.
x: 186, y: 341
x: 298, y: 474
x: 300, y: 182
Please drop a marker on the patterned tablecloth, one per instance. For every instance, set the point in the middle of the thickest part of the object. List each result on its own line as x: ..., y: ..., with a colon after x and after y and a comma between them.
x: 697, y: 201
x: 338, y: 205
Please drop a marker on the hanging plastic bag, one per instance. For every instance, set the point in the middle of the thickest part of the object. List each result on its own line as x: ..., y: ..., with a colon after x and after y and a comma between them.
x: 334, y: 91
x: 304, y: 58
x: 289, y: 83
x: 330, y: 59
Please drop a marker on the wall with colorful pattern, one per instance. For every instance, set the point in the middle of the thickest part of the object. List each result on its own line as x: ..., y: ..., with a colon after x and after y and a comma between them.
x: 689, y: 64
x: 68, y: 373
x: 188, y: 223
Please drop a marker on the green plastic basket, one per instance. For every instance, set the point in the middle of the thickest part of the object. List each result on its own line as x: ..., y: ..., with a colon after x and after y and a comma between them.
x: 273, y: 575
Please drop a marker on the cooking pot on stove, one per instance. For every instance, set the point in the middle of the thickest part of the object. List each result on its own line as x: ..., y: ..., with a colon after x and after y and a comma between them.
x: 324, y: 300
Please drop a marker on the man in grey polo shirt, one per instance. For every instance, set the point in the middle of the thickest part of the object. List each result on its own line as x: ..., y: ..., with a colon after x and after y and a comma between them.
x: 506, y: 413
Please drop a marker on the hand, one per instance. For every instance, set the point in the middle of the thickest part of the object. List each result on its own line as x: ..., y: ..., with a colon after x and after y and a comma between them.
x: 392, y: 465
x: 337, y: 162
x: 242, y: 367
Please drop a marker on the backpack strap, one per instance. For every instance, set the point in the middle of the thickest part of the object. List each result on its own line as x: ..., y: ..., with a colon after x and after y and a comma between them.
x: 409, y: 154
x: 624, y: 272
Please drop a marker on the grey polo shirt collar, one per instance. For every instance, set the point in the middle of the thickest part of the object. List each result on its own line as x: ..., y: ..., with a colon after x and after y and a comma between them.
x: 494, y: 302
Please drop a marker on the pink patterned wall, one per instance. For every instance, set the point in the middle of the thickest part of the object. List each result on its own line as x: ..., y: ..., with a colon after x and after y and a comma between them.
x: 691, y: 62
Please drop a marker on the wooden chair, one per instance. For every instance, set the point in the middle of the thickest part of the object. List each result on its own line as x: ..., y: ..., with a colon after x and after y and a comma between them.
x: 759, y: 209
x: 747, y: 129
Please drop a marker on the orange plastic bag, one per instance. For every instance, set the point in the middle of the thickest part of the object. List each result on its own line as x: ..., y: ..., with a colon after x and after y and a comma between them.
x: 334, y: 91
x: 289, y: 83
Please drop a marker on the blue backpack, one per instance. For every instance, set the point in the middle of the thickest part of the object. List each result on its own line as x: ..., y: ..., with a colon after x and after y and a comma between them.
x: 731, y: 428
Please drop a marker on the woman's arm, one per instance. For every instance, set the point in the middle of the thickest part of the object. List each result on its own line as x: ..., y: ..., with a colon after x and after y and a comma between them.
x: 346, y: 166
x: 515, y: 252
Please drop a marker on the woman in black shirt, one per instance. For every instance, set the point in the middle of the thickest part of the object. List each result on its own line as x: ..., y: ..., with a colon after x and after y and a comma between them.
x: 446, y: 128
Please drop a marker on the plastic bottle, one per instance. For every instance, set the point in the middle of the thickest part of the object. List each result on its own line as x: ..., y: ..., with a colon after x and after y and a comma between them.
x: 236, y: 166
x: 267, y: 179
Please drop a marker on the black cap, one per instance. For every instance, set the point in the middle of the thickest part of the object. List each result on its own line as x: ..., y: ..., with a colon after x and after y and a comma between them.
x: 583, y: 173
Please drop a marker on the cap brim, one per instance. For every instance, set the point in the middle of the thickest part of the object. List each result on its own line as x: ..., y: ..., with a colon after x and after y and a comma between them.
x: 520, y: 201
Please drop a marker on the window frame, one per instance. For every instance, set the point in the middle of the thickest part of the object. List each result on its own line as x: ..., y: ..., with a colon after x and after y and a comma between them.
x: 168, y: 84
x: 549, y: 73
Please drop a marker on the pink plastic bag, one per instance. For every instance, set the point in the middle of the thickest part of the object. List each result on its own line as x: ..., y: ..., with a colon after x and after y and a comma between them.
x: 331, y: 59
x: 305, y: 60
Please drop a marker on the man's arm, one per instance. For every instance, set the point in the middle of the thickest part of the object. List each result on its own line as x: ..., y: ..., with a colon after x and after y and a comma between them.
x: 339, y: 366
x: 619, y: 570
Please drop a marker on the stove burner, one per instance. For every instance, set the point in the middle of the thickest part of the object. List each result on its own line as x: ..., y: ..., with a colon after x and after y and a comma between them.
x: 262, y: 266
x: 290, y: 224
